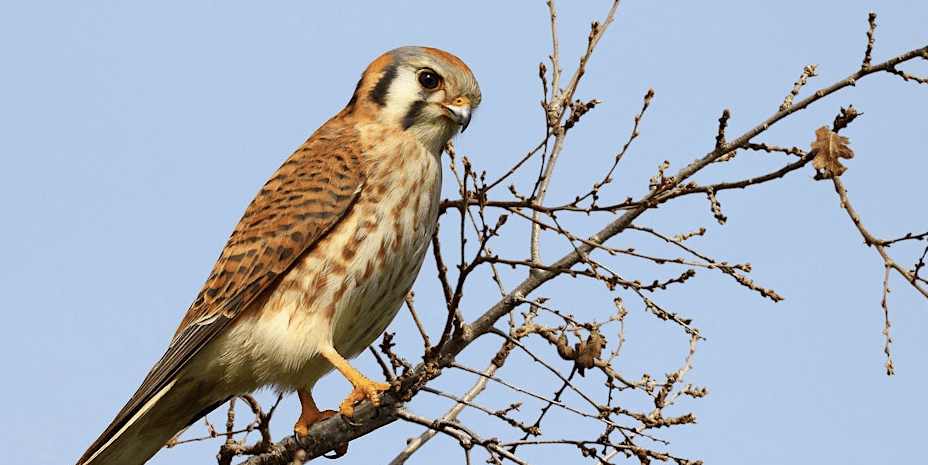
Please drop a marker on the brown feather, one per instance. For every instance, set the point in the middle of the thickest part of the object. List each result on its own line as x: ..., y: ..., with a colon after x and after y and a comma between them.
x: 304, y: 199
x: 320, y: 262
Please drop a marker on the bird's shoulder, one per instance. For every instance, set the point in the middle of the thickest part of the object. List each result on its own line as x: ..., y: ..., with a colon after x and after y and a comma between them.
x: 305, y: 198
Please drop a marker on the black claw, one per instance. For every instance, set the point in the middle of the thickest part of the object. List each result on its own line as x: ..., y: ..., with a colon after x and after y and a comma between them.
x: 348, y: 420
x: 336, y: 454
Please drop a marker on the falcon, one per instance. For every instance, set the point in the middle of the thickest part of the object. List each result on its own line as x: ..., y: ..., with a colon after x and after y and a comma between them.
x: 320, y: 262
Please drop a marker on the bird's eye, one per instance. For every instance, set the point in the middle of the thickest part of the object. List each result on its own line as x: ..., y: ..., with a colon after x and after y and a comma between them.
x: 429, y: 79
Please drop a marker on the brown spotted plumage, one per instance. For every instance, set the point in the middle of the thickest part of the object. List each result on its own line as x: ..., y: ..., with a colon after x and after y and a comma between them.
x: 320, y: 262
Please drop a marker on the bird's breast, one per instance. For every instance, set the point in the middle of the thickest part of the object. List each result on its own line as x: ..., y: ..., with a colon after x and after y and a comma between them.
x: 346, y: 290
x: 396, y: 218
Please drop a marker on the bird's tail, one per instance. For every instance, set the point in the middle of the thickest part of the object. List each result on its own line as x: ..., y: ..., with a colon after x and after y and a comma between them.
x: 142, y: 428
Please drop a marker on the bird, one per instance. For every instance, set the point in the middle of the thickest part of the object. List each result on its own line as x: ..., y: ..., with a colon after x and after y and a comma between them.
x: 320, y: 262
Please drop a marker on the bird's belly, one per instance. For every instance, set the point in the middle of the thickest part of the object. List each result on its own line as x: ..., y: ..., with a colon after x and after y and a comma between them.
x: 344, y: 292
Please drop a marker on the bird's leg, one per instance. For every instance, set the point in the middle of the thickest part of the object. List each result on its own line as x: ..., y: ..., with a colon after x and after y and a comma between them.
x: 310, y: 414
x: 364, y: 388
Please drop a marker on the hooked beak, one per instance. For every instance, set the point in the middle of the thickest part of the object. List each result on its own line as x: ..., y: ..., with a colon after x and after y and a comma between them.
x: 460, y: 111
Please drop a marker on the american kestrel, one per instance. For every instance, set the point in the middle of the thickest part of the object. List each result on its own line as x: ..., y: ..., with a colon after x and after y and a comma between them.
x: 320, y: 262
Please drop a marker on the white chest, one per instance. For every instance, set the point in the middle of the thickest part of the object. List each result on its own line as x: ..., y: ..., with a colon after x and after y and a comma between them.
x: 347, y: 289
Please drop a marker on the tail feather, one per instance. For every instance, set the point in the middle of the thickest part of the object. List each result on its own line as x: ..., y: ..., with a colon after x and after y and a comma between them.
x: 135, y: 436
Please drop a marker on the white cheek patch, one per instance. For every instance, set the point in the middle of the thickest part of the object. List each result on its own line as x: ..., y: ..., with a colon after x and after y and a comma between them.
x: 406, y: 106
x: 404, y: 91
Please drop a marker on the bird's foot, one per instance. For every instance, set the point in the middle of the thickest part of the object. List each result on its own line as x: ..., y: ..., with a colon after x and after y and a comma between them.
x: 364, y: 389
x: 311, y: 414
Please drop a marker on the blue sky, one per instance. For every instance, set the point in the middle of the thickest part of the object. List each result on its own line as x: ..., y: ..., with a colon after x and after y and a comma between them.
x: 134, y: 134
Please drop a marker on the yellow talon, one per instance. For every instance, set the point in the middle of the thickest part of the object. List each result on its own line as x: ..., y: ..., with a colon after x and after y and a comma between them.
x: 310, y: 413
x: 365, y: 389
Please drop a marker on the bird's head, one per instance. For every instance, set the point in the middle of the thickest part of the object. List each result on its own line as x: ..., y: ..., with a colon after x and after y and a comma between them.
x: 425, y: 91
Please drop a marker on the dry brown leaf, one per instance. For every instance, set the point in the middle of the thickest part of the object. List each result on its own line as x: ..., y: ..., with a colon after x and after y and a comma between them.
x: 585, y: 353
x: 589, y: 351
x: 831, y: 147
